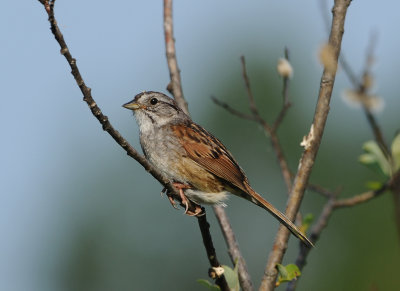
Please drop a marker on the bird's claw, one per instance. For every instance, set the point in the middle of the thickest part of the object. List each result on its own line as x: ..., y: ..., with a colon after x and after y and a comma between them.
x: 185, y: 202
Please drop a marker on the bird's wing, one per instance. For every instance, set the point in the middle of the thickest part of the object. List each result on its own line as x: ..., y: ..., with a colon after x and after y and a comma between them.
x: 208, y: 152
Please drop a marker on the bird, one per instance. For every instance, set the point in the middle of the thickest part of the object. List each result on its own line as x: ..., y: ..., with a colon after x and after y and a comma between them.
x: 197, y: 164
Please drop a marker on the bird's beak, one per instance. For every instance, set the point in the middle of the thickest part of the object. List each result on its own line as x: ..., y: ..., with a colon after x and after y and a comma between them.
x: 132, y: 106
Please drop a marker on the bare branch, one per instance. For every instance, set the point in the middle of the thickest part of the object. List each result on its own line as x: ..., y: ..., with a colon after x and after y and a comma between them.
x: 96, y: 111
x: 363, y: 89
x: 360, y: 198
x: 232, y: 110
x: 86, y: 91
x: 211, y: 254
x: 358, y: 84
x: 175, y: 86
x: 320, y: 190
x: 332, y: 204
x: 285, y: 95
x: 311, y: 149
x: 252, y: 103
x: 234, y: 253
x: 315, y: 233
x: 255, y: 116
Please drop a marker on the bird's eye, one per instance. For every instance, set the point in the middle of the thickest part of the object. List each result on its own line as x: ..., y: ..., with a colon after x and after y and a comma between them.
x: 153, y: 101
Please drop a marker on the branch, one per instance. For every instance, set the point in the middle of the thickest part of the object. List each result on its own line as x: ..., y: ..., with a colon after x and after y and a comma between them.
x: 175, y: 86
x: 332, y: 204
x: 232, y: 110
x: 211, y: 255
x: 358, y: 84
x: 175, y: 89
x: 362, y: 88
x: 285, y: 95
x: 233, y: 248
x: 96, y: 111
x: 311, y: 147
x: 252, y: 104
x: 255, y: 116
x: 315, y: 233
x: 360, y: 198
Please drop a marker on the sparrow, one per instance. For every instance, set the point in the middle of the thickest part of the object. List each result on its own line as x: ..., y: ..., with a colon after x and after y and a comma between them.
x: 198, y: 165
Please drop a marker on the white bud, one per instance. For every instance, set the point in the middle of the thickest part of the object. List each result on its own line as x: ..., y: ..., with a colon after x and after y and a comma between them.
x: 284, y: 68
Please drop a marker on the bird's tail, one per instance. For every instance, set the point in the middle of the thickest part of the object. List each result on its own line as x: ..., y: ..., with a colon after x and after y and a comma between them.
x: 260, y: 201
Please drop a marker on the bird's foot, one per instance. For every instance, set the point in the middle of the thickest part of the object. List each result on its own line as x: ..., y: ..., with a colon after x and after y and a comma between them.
x: 197, y: 208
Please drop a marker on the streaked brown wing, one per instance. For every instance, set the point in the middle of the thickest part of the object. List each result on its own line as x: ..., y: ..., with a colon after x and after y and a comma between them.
x: 210, y: 153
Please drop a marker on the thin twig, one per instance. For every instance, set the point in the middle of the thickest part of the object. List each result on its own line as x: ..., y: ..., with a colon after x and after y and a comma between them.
x: 311, y: 147
x: 272, y: 134
x: 285, y: 95
x: 358, y: 84
x: 271, y: 130
x: 252, y: 103
x: 331, y: 205
x: 233, y: 248
x: 319, y: 189
x: 175, y: 86
x: 232, y: 110
x: 360, y: 198
x: 363, y: 90
x: 314, y: 235
x: 96, y: 111
x: 86, y: 91
x: 211, y: 254
x: 284, y: 109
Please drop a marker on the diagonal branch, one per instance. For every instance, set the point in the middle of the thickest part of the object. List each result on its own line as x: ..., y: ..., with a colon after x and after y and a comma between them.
x: 96, y: 111
x: 313, y: 141
x: 94, y: 108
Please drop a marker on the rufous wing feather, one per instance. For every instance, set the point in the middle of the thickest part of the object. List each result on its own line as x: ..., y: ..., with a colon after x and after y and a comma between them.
x: 211, y: 154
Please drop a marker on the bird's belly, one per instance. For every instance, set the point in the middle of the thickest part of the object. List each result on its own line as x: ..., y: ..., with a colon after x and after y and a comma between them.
x: 170, y: 158
x: 201, y: 197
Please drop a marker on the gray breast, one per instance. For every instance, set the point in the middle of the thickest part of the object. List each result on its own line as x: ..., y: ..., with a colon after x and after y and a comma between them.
x: 162, y: 151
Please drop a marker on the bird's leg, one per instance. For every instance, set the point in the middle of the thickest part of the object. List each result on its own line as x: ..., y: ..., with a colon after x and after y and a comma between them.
x: 180, y: 187
x: 185, y: 201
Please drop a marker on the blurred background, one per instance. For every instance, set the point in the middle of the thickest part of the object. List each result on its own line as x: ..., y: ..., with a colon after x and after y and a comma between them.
x: 78, y: 214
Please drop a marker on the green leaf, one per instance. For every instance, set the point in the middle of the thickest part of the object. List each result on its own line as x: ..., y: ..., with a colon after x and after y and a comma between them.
x: 209, y: 285
x: 287, y: 273
x: 307, y: 220
x: 375, y: 158
x: 232, y: 277
x: 374, y: 185
x: 396, y: 152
